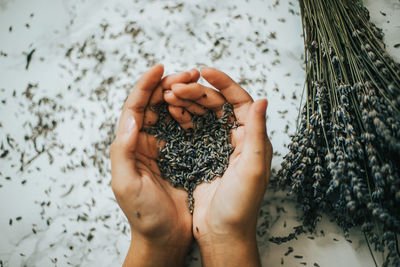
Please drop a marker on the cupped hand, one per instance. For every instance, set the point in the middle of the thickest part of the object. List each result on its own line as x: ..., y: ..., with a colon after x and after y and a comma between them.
x: 226, y: 210
x: 156, y: 211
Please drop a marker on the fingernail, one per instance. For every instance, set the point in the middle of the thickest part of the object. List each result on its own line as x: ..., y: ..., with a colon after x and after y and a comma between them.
x: 129, y: 125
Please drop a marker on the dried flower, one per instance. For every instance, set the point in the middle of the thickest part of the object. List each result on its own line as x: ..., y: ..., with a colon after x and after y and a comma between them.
x: 343, y: 159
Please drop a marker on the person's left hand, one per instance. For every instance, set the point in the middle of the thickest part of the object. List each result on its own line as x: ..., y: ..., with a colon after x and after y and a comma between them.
x: 160, y: 221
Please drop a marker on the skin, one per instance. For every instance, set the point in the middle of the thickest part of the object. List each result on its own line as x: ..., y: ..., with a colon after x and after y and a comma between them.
x: 225, y: 214
x: 160, y: 222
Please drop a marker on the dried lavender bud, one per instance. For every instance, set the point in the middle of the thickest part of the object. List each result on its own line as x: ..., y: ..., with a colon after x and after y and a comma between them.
x: 349, y: 127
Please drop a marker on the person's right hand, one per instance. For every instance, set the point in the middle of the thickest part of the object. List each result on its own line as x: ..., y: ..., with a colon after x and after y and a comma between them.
x: 226, y: 210
x: 160, y: 221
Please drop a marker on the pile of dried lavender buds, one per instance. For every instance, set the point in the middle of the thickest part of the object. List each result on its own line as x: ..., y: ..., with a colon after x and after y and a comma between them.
x: 197, y: 155
x: 344, y: 158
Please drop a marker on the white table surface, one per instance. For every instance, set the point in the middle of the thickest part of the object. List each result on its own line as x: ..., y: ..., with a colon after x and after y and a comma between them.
x: 63, y: 214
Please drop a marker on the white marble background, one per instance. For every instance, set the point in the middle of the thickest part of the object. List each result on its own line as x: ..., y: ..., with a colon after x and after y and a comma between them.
x: 56, y: 205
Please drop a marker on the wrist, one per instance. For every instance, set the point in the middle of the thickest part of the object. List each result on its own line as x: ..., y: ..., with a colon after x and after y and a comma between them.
x: 219, y: 231
x: 167, y: 252
x: 234, y: 250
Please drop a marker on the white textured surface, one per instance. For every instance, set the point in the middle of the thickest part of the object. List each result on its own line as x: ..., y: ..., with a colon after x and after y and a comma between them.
x: 257, y: 42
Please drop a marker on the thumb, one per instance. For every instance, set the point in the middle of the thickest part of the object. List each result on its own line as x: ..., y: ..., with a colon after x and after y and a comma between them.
x: 122, y: 152
x: 127, y: 133
x: 255, y: 134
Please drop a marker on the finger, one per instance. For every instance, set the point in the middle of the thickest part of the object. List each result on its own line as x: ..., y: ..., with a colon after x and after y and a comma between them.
x: 202, y: 95
x: 181, y: 116
x: 138, y: 100
x: 195, y: 75
x: 150, y: 116
x: 228, y: 88
x: 121, y: 152
x: 169, y: 80
x: 190, y: 106
x: 232, y: 91
x: 255, y: 136
x: 184, y: 77
x: 131, y: 120
x: 269, y: 152
x: 157, y: 96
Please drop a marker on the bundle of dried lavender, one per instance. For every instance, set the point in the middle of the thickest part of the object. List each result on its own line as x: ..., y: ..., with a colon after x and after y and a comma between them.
x: 198, y: 155
x: 344, y: 157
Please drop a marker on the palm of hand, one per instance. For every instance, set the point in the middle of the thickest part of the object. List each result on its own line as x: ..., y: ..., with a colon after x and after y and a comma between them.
x: 224, y: 203
x: 156, y: 196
